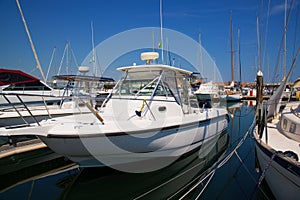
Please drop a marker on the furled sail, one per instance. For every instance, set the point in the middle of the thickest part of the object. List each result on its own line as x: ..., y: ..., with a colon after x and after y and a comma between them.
x: 274, y: 102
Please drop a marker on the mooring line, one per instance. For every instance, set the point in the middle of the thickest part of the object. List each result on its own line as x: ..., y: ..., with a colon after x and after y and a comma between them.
x: 210, y: 175
x: 221, y: 163
x: 157, y: 187
x: 210, y: 178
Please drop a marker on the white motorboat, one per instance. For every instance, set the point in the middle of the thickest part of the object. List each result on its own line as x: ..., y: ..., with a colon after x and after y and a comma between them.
x: 208, y: 91
x: 149, y: 116
x: 231, y: 93
x: 232, y: 96
x: 278, y: 147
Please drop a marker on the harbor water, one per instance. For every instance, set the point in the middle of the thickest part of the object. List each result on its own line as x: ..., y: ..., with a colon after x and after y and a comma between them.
x: 225, y: 168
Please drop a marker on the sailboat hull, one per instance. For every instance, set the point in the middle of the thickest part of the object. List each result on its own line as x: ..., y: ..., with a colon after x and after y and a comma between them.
x: 281, y: 175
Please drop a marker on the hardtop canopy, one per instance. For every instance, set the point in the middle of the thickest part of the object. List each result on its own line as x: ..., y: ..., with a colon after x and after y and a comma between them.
x: 152, y: 67
x: 9, y: 77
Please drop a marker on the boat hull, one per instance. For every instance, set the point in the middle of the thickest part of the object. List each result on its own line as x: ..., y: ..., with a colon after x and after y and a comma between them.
x: 232, y: 97
x: 281, y: 175
x: 141, y: 147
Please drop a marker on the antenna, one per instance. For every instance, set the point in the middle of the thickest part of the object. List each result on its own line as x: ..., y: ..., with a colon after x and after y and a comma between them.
x: 94, y: 52
x: 38, y: 65
x: 161, y: 34
x: 152, y: 40
x: 201, y: 57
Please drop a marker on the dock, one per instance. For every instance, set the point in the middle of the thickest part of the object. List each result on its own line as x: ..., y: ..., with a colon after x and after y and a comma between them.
x: 20, y: 147
x: 254, y: 97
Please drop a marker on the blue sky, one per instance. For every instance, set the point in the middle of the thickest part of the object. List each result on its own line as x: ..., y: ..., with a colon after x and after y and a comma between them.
x: 53, y: 22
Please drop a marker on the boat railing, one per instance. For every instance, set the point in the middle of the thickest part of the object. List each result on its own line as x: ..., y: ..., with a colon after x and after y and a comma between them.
x: 14, y: 102
x: 15, y: 106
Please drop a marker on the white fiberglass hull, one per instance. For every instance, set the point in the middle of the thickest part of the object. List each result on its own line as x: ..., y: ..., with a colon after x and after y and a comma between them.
x: 118, y: 148
x: 278, y: 157
x: 282, y: 177
x: 232, y: 97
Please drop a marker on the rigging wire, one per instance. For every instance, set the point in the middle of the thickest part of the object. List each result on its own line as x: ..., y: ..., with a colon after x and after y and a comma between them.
x: 51, y: 60
x: 296, y: 27
x: 266, y: 32
x: 295, y: 32
x: 282, y: 41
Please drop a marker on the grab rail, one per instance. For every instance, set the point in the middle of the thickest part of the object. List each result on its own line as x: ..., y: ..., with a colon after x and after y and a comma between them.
x: 24, y: 106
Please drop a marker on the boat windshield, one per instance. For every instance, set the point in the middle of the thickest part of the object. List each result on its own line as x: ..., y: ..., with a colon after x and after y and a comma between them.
x: 155, y: 83
x: 146, y: 83
x: 144, y: 87
x: 35, y: 86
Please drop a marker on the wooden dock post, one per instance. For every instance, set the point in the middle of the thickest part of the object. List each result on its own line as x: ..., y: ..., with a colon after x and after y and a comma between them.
x: 259, y: 100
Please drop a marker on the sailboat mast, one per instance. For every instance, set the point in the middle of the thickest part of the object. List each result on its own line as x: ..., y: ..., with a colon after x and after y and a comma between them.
x: 231, y: 48
x: 258, y: 46
x: 67, y: 58
x: 38, y: 65
x: 239, y: 60
x: 284, y: 50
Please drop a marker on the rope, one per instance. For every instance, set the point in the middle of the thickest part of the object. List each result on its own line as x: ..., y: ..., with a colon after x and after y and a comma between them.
x: 31, y: 189
x: 179, y: 175
x: 266, y: 168
x: 210, y: 175
x: 275, y: 74
x: 243, y: 164
x: 205, y: 185
x: 221, y: 163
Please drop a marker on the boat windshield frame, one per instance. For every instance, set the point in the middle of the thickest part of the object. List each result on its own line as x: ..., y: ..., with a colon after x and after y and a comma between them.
x: 153, y: 83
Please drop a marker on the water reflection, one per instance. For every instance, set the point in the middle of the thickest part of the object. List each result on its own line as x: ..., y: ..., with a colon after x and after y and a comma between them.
x: 170, y: 182
x: 44, y: 174
x: 21, y: 168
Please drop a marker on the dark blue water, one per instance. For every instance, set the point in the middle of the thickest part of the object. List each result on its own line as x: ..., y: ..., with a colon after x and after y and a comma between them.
x: 227, y: 171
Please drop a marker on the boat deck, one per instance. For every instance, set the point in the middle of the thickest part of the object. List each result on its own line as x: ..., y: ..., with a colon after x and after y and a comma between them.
x: 276, y: 140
